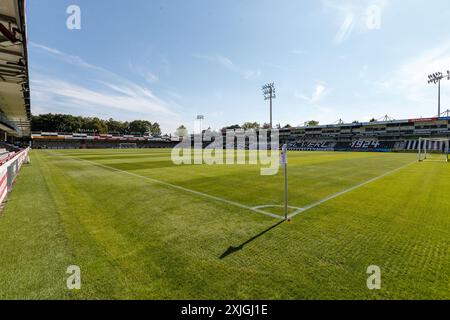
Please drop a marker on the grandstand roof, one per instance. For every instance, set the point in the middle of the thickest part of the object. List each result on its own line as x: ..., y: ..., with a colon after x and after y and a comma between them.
x: 14, y: 83
x: 365, y: 124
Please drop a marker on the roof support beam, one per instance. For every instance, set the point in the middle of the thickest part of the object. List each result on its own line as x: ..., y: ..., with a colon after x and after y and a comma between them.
x: 6, y: 18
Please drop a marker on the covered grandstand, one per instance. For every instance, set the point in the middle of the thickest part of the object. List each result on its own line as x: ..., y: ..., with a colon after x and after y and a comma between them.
x: 383, y: 136
x: 14, y: 93
x: 15, y: 111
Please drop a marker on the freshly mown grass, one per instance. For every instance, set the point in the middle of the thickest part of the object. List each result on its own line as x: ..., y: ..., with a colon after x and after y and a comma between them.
x: 135, y: 238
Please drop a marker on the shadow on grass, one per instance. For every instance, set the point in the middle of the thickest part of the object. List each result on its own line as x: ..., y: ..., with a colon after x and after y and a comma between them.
x: 232, y: 249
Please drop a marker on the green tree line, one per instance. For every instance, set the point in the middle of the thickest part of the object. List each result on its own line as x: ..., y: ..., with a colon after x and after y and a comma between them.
x: 68, y: 123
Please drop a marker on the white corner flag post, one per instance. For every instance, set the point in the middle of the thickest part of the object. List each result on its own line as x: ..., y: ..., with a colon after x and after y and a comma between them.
x: 283, y: 162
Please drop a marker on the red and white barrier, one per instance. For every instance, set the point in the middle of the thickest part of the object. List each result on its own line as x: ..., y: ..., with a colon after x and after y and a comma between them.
x: 9, y: 168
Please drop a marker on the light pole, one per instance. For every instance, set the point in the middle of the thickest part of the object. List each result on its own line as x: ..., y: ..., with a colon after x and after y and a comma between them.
x: 269, y: 94
x: 200, y: 118
x: 283, y: 162
x: 436, y: 78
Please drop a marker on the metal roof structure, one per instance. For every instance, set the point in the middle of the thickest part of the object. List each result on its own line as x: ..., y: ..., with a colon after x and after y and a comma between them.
x: 15, y: 114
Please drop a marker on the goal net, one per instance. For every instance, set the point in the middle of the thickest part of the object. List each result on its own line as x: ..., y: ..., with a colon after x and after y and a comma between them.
x: 433, y: 149
x: 128, y: 146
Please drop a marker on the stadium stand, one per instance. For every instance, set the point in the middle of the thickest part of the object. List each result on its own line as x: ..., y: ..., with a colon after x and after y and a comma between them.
x: 14, y: 87
x: 14, y: 93
x: 378, y: 136
x: 51, y: 140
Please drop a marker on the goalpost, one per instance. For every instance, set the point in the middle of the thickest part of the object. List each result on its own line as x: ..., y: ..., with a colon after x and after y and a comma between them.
x: 127, y: 145
x: 433, y: 149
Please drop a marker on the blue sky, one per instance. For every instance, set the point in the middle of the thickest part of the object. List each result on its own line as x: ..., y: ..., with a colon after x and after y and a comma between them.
x: 168, y: 61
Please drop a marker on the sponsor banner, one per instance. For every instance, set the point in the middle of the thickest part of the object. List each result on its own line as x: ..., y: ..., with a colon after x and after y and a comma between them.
x: 365, y: 144
x: 313, y: 145
x: 310, y: 149
x: 9, y: 170
x: 3, y: 184
x: 424, y: 119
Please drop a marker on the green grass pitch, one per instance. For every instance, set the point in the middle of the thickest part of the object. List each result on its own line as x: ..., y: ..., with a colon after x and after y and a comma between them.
x: 140, y: 227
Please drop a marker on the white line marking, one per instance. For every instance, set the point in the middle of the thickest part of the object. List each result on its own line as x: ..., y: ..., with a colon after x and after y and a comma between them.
x: 274, y: 206
x: 236, y: 204
x: 315, y: 204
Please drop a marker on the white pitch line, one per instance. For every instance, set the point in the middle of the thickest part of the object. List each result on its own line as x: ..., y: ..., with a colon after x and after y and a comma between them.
x: 315, y: 204
x: 274, y: 205
x: 236, y: 204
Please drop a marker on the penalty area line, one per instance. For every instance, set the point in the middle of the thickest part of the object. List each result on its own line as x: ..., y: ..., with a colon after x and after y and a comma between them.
x: 315, y: 204
x: 174, y: 186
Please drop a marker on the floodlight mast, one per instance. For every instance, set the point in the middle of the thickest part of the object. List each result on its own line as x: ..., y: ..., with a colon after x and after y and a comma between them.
x: 436, y: 78
x: 200, y: 118
x: 269, y: 94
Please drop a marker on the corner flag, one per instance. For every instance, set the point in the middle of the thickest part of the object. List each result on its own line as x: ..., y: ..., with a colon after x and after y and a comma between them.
x: 283, y: 155
x: 283, y: 162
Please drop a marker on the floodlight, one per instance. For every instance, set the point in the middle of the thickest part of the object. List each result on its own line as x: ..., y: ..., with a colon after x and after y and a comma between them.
x: 436, y: 79
x: 269, y: 94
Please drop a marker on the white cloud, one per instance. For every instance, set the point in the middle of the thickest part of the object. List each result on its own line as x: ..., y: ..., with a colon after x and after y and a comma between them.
x: 320, y: 91
x: 410, y: 78
x: 75, y: 60
x: 230, y: 65
x: 124, y: 98
x: 100, y: 92
x: 252, y: 74
x: 355, y: 16
x: 148, y: 76
x: 345, y: 30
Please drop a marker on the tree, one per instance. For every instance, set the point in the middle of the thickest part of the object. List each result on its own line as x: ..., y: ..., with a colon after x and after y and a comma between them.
x: 233, y: 127
x: 181, y: 131
x: 155, y: 129
x: 311, y: 123
x: 139, y: 127
x: 115, y: 126
x: 250, y: 125
x: 266, y: 126
x: 65, y: 123
x: 95, y: 125
x: 287, y: 126
x: 373, y: 120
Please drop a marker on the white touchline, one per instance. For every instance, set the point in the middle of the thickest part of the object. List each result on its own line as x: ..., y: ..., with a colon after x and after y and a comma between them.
x: 274, y: 206
x: 315, y: 204
x: 181, y: 188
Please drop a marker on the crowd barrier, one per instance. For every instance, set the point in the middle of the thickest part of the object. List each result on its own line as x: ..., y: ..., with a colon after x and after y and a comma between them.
x: 9, y: 170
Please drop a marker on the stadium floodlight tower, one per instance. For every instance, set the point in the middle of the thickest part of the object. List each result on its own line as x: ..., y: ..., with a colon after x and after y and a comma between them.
x: 436, y: 78
x: 269, y: 94
x: 200, y: 118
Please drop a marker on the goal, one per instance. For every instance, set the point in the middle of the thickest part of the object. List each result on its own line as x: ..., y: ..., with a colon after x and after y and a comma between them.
x: 127, y: 145
x: 433, y: 149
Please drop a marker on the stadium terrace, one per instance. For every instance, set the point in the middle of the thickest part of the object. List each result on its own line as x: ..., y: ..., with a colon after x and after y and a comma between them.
x: 378, y: 136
